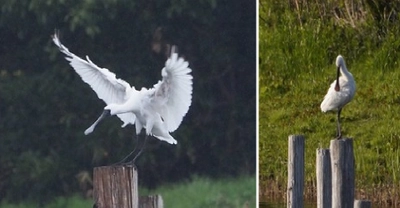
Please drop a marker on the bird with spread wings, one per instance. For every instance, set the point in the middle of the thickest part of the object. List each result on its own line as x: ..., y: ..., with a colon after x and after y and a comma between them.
x: 159, y: 110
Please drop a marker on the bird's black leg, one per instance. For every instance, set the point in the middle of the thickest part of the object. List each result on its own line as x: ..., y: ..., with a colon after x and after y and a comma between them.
x: 339, y: 132
x: 140, y: 151
x: 131, y: 153
x: 139, y: 147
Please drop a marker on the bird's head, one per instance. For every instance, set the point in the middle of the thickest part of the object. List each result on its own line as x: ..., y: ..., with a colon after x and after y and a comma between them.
x: 112, y: 108
x: 339, y: 64
x: 339, y: 61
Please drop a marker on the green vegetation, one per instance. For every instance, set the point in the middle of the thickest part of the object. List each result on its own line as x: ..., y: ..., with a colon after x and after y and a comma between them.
x: 202, y: 192
x: 199, y: 192
x: 59, y: 202
x: 298, y: 47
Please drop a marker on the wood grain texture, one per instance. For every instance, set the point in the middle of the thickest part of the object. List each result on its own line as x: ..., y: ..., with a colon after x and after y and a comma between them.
x: 115, y: 187
x: 295, y: 171
x: 343, y: 176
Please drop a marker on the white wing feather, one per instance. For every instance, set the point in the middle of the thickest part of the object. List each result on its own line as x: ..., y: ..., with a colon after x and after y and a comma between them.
x: 335, y: 100
x: 173, y: 95
x: 101, y: 80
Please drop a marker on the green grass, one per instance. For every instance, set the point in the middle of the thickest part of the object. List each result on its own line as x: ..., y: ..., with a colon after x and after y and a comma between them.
x: 202, y: 192
x: 199, y: 192
x: 60, y: 202
x: 296, y: 69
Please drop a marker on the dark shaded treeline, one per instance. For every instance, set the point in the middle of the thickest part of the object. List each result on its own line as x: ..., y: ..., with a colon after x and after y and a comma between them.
x: 45, y: 107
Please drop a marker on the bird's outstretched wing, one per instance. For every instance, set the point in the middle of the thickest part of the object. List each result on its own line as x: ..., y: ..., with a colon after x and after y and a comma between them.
x: 173, y: 95
x: 101, y: 80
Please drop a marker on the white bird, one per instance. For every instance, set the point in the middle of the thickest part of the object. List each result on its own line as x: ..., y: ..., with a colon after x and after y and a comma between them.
x: 340, y: 93
x: 159, y: 110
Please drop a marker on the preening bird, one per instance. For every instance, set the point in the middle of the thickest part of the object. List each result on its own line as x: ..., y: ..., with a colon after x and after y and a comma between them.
x: 340, y: 93
x: 159, y: 110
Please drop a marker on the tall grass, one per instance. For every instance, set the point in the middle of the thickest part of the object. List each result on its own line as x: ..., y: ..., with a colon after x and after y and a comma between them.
x: 298, y: 46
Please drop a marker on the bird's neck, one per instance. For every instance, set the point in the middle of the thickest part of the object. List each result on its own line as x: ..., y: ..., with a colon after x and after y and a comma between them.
x: 345, y: 73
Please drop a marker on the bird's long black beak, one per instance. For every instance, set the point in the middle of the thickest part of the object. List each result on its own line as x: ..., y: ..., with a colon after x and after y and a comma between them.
x: 337, y: 86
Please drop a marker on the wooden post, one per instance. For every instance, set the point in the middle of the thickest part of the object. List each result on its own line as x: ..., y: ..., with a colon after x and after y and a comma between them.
x: 115, y: 187
x: 154, y: 201
x: 295, y: 171
x: 324, y: 179
x: 342, y: 161
x: 362, y: 204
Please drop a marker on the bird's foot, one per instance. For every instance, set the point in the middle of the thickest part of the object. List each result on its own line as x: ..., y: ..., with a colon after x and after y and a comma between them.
x: 120, y: 163
x: 130, y: 163
x: 339, y: 137
x: 125, y: 164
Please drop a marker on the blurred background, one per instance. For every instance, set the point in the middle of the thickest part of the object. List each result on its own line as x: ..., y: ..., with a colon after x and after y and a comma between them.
x: 45, y: 106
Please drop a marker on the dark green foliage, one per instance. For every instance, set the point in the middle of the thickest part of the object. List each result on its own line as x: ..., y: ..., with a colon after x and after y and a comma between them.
x: 45, y: 107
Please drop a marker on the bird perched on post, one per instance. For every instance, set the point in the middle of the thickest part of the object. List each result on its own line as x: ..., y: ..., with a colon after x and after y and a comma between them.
x: 340, y: 93
x: 159, y: 110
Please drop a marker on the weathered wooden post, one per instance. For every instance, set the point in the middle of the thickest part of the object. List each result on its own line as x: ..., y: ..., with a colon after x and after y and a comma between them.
x: 154, y: 201
x: 115, y: 187
x: 295, y: 171
x: 342, y: 161
x: 362, y: 204
x: 324, y: 179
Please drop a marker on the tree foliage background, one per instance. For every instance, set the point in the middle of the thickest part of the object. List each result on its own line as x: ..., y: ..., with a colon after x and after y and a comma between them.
x: 45, y: 106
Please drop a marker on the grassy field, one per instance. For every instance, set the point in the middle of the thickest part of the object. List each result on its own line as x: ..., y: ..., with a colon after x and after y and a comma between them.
x: 200, y: 192
x: 298, y: 48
